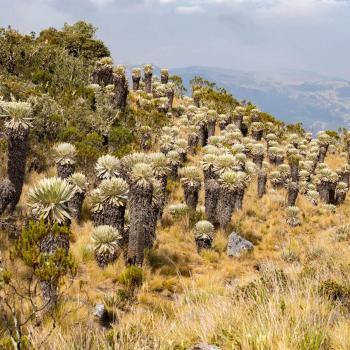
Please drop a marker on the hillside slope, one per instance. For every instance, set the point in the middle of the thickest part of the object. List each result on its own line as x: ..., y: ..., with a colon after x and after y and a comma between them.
x: 318, y: 102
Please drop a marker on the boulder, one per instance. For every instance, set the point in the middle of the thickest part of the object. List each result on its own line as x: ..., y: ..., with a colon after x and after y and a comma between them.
x: 104, y: 317
x: 237, y: 245
x: 204, y: 346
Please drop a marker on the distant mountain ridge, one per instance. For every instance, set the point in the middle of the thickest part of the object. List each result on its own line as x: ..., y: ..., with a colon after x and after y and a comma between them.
x: 317, y: 101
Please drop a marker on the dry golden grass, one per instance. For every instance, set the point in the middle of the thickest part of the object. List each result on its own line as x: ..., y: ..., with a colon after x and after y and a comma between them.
x: 268, y: 299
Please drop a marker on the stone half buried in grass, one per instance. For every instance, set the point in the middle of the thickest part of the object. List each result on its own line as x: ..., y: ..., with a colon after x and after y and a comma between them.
x: 237, y: 245
x: 104, y: 316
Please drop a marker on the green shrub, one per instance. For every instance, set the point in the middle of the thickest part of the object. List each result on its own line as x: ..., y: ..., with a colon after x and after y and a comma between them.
x: 120, y: 141
x: 46, y: 267
x: 132, y: 277
x: 89, y: 150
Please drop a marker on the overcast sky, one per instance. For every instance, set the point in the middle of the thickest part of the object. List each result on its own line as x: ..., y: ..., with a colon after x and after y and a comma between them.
x: 245, y: 35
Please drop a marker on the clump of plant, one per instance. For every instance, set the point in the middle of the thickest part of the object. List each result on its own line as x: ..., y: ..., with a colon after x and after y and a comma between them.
x: 80, y: 184
x: 107, y: 244
x: 131, y: 278
x: 293, y: 216
x: 191, y: 182
x: 65, y: 158
x: 204, y: 234
x: 107, y: 167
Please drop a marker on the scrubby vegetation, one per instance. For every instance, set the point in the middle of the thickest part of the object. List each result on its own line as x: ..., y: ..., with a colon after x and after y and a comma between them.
x: 129, y: 212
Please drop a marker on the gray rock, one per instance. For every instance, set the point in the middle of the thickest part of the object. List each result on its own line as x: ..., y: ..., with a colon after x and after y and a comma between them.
x: 104, y: 317
x: 237, y: 245
x: 99, y: 310
x: 204, y: 346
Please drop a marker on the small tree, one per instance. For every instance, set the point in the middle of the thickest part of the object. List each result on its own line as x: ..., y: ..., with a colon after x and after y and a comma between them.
x: 262, y: 180
x: 17, y: 129
x: 161, y: 171
x: 108, y: 203
x: 103, y: 72
x: 107, y: 244
x: 191, y: 182
x: 65, y: 157
x: 164, y: 76
x: 141, y: 192
x: 204, y: 234
x: 230, y: 183
x: 136, y: 76
x: 121, y: 89
x: 79, y: 182
x: 148, y: 72
x: 48, y: 202
x: 107, y: 167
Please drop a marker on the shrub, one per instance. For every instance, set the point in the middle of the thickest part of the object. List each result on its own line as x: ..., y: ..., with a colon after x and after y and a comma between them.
x: 46, y: 267
x: 120, y: 141
x: 132, y: 277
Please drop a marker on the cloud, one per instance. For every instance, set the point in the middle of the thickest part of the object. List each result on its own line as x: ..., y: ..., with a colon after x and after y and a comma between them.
x: 189, y: 10
x: 101, y: 2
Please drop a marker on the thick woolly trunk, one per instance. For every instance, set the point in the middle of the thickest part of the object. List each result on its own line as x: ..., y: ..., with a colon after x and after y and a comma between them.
x: 272, y: 159
x: 239, y: 121
x: 340, y: 197
x: 244, y: 129
x: 170, y: 95
x: 16, y: 163
x: 114, y: 216
x: 332, y: 193
x: 103, y: 76
x: 293, y: 190
x: 212, y: 192
x: 203, y: 244
x: 258, y: 160
x: 348, y: 151
x: 183, y: 156
x: 225, y: 206
x: 75, y: 205
x: 345, y: 177
x: 279, y: 160
x: 294, y: 172
x: 211, y: 128
x: 193, y: 141
x: 136, y: 83
x: 239, y: 199
x: 262, y: 179
x: 173, y: 171
x: 209, y: 174
x: 152, y: 227
x: 323, y: 190
x: 322, y: 154
x: 222, y: 125
x: 163, y: 181
x: 140, y: 212
x: 146, y: 142
x: 121, y: 91
x: 49, y: 245
x: 197, y: 101
x: 163, y: 109
x: 65, y: 170
x: 106, y: 257
x: 148, y: 82
x: 257, y: 135
x: 7, y: 192
x: 191, y: 194
x: 110, y: 215
x: 164, y: 78
x: 202, y: 135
